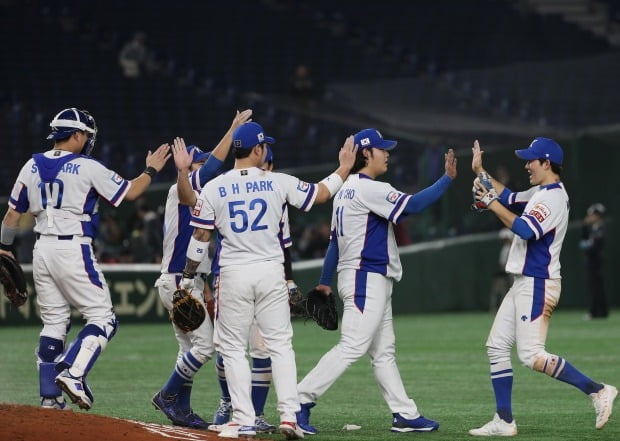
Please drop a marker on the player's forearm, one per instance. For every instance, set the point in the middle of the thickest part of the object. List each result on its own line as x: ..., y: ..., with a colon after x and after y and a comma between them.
x: 222, y: 149
x: 184, y: 189
x: 138, y: 186
x: 506, y: 216
x: 8, y: 229
x: 330, y: 185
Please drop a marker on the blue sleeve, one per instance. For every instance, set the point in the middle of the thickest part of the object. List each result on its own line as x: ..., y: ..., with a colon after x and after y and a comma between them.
x: 330, y: 261
x: 503, y: 196
x: 210, y: 170
x: 426, y: 197
x: 521, y: 229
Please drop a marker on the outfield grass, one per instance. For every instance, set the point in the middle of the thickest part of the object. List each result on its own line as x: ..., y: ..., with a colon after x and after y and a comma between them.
x: 441, y: 357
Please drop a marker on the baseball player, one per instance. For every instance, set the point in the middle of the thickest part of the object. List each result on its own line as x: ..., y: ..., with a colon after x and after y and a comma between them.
x: 261, y: 362
x: 246, y: 205
x: 196, y: 168
x: 534, y: 260
x: 61, y: 188
x: 363, y: 249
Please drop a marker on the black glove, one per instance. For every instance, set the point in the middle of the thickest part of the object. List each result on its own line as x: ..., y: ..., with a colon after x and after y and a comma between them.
x: 321, y: 307
x: 13, y: 279
x: 187, y: 312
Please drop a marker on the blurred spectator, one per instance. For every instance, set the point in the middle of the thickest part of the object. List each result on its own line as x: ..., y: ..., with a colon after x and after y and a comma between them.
x: 314, y: 241
x: 302, y: 86
x: 592, y: 241
x: 146, y: 237
x: 135, y: 58
x: 110, y: 242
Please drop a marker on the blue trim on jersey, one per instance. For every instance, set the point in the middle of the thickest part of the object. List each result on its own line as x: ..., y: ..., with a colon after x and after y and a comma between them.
x: 538, y: 257
x: 551, y: 186
x: 209, y: 170
x: 118, y: 194
x: 510, y: 201
x: 181, y: 241
x: 89, y: 266
x: 361, y: 281
x: 22, y: 204
x: 200, y: 221
x: 374, y: 256
x: 311, y: 191
x: 215, y: 263
x: 536, y: 224
x: 90, y: 228
x: 399, y: 203
x: 49, y: 168
x: 330, y: 262
x: 504, y: 196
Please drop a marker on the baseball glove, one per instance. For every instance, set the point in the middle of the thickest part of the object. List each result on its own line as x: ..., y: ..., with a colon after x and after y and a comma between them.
x: 13, y: 279
x: 187, y: 312
x: 321, y: 308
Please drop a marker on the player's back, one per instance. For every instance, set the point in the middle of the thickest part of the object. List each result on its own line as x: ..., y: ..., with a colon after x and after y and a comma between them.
x: 62, y: 191
x: 363, y: 211
x: 247, y: 207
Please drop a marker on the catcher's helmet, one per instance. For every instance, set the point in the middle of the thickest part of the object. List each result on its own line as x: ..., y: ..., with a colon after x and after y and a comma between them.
x: 71, y: 120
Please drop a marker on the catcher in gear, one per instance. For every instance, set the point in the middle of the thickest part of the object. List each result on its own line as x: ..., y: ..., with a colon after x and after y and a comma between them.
x: 13, y: 279
x: 363, y: 249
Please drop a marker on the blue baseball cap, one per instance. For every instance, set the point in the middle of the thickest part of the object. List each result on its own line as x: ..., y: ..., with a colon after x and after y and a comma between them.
x: 371, y: 138
x: 542, y: 148
x: 199, y: 155
x: 249, y: 134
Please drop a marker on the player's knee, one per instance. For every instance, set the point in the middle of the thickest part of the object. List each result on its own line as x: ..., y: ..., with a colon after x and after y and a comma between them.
x: 546, y: 363
x: 49, y: 349
x: 497, y: 354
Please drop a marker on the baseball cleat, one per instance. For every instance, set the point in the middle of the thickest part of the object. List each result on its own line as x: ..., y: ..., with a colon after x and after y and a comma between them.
x: 291, y: 430
x: 222, y: 414
x: 603, y: 402
x: 419, y: 424
x: 496, y: 427
x: 263, y: 426
x: 178, y: 416
x: 234, y: 430
x: 74, y: 388
x: 303, y: 419
x: 58, y: 403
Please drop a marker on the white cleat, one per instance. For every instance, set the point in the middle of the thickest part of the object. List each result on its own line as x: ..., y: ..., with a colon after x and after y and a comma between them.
x: 234, y: 430
x: 291, y: 430
x: 603, y: 402
x: 496, y: 427
x: 58, y: 403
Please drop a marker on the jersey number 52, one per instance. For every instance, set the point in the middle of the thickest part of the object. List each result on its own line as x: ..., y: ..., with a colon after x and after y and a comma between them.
x: 240, y: 217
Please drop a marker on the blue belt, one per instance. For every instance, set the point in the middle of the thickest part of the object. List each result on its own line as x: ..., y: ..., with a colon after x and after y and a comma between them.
x: 67, y: 237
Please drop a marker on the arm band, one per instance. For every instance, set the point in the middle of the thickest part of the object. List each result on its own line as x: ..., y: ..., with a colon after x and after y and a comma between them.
x: 151, y: 171
x: 333, y: 183
x: 196, y: 250
x: 7, y: 235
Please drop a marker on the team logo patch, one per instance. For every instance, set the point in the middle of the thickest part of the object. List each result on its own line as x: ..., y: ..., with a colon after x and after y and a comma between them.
x: 303, y: 186
x: 365, y: 142
x: 118, y: 180
x: 237, y: 143
x: 261, y: 137
x: 392, y: 197
x: 197, y: 208
x: 540, y: 212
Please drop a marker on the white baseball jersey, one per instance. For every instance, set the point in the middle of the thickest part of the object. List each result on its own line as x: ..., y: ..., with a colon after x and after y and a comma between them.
x: 178, y: 232
x: 546, y: 213
x: 68, y: 204
x: 252, y: 202
x: 362, y: 219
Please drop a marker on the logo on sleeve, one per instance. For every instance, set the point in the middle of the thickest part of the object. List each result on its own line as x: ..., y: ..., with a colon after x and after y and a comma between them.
x: 303, y: 186
x: 540, y: 212
x: 197, y: 208
x: 118, y: 180
x: 392, y: 197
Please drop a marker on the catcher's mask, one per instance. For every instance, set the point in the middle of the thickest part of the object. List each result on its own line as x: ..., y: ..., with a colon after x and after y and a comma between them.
x: 69, y: 121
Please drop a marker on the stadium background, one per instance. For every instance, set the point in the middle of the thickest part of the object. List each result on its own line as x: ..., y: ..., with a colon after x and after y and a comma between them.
x: 432, y: 75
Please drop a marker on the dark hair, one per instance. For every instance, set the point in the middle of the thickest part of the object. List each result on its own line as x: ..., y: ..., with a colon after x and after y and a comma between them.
x: 360, y: 161
x: 241, y: 153
x: 555, y: 168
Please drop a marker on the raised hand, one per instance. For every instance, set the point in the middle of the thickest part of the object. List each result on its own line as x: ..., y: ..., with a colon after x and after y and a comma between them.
x: 159, y: 157
x: 182, y: 159
x: 347, y: 154
x: 476, y: 160
x: 450, y: 164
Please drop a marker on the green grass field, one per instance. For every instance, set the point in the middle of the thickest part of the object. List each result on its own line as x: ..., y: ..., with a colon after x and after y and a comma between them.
x: 441, y: 358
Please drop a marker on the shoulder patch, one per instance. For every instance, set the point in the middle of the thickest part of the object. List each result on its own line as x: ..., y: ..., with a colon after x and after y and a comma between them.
x: 118, y: 180
x: 392, y: 197
x: 197, y: 208
x: 303, y: 186
x: 540, y: 212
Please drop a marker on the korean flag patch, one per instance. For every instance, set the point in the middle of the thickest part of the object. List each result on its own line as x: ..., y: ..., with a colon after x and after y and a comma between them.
x: 392, y: 197
x: 197, y: 208
x: 303, y: 186
x: 118, y: 180
x: 540, y: 212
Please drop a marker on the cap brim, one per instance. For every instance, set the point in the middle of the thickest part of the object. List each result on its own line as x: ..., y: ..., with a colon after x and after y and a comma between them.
x: 526, y: 154
x: 386, y: 144
x: 269, y: 140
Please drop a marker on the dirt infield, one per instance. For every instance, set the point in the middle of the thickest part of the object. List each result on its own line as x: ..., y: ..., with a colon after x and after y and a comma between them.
x: 29, y: 423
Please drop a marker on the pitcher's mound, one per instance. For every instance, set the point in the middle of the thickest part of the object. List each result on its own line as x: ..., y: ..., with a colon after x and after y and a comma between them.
x: 29, y: 423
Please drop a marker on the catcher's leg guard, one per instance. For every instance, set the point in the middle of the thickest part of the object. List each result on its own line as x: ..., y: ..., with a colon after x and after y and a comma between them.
x: 48, y: 352
x: 86, y: 348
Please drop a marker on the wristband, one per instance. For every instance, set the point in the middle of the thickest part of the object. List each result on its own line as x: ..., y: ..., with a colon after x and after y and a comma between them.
x: 196, y: 250
x: 187, y: 275
x: 333, y: 183
x: 151, y: 171
x: 7, y: 237
x: 6, y: 247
